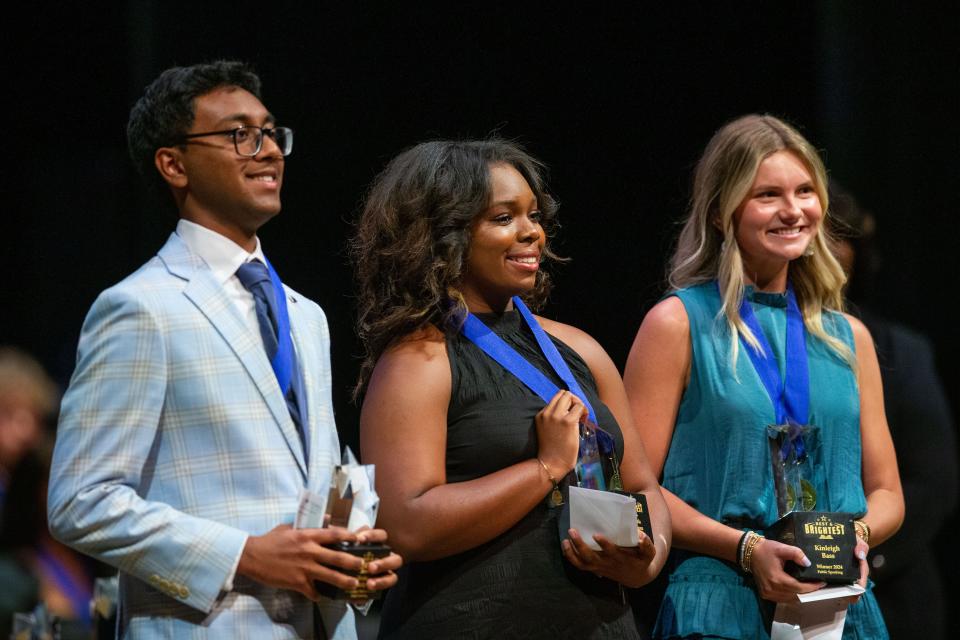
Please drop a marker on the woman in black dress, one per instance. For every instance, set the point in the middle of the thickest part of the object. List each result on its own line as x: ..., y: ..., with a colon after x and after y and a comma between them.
x: 467, y: 456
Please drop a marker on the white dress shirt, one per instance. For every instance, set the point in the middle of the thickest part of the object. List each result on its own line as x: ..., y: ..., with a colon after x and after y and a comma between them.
x: 224, y: 257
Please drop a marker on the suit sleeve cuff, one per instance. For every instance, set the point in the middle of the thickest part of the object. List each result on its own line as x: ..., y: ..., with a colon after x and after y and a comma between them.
x: 209, y: 585
x: 228, y: 583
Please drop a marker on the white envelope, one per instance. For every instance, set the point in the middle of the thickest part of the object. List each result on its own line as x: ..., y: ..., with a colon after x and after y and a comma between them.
x: 610, y: 514
x: 818, y: 615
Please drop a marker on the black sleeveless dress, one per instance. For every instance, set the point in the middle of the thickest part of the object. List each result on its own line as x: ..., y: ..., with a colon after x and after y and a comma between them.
x: 517, y: 585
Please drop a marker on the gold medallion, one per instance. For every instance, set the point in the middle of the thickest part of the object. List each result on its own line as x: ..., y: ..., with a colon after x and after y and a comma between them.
x: 556, y: 498
x: 791, y: 499
x: 808, y: 495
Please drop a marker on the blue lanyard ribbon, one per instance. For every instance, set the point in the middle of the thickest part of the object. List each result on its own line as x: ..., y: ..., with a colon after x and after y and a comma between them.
x: 494, y: 346
x: 791, y: 394
x: 282, y: 361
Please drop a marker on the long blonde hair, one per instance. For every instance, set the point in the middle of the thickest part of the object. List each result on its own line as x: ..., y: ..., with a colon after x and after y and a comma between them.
x: 707, y: 247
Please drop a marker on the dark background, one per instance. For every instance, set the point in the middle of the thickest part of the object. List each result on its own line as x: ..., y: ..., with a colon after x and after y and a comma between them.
x: 618, y: 99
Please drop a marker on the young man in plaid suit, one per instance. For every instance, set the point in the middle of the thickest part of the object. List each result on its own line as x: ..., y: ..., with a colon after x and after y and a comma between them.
x: 201, y: 401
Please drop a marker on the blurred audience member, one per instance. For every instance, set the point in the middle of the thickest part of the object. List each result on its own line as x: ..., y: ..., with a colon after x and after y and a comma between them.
x: 27, y: 397
x: 33, y: 566
x: 909, y: 586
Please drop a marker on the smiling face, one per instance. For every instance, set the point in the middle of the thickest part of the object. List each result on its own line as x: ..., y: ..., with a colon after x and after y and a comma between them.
x: 214, y: 185
x: 778, y: 219
x: 506, y: 243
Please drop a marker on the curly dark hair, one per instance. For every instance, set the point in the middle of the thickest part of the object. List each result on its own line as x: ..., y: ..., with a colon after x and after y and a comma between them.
x: 165, y: 111
x: 412, y: 238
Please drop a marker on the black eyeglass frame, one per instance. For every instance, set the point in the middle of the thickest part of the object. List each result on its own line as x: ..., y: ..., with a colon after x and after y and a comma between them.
x: 264, y: 131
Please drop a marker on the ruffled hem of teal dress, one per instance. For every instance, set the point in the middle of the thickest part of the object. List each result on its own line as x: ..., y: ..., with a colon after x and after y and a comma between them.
x: 709, y: 598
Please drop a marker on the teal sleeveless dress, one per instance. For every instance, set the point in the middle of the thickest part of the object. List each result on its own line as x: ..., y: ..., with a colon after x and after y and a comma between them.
x: 719, y: 463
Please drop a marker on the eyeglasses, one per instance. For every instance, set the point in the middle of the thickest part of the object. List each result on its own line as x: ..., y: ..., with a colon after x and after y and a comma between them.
x: 249, y: 140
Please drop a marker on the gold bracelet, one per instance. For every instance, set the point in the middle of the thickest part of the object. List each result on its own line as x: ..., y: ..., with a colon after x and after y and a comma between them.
x: 748, y: 552
x: 862, y: 530
x: 556, y: 498
x: 743, y: 555
x: 745, y: 542
x: 740, y: 545
x: 751, y: 544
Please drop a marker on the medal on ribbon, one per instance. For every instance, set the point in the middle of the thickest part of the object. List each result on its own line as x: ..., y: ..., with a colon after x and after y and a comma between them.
x: 827, y: 539
x: 790, y: 395
x: 597, y: 465
x: 597, y: 502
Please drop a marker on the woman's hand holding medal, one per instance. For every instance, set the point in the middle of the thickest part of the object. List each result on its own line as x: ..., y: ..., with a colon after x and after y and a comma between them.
x: 558, y: 432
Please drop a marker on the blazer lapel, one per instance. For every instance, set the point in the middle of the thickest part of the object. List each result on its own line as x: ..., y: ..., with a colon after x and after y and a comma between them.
x: 212, y: 301
x: 305, y: 359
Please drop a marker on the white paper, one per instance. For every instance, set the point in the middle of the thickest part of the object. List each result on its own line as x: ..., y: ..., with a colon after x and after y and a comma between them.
x: 828, y: 593
x: 611, y: 515
x: 818, y: 615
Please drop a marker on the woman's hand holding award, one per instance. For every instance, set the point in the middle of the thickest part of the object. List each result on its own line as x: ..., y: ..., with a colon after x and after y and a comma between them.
x: 826, y: 538
x: 595, y: 503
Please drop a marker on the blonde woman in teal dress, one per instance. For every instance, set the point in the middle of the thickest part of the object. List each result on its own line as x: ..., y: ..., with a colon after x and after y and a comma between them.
x: 755, y: 237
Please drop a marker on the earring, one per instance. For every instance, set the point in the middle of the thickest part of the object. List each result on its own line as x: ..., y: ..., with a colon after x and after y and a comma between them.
x: 808, y: 251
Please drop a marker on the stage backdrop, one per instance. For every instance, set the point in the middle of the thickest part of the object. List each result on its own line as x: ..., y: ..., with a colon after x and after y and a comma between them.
x: 617, y: 98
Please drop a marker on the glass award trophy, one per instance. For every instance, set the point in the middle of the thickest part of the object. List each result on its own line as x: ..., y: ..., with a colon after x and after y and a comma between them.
x: 594, y: 499
x: 597, y: 466
x: 350, y: 501
x: 826, y: 538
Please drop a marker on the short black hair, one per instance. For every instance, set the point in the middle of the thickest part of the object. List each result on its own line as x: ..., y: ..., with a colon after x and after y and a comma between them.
x: 166, y: 110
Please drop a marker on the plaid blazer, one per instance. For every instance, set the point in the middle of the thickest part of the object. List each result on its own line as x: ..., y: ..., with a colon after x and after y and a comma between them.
x: 175, y: 444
